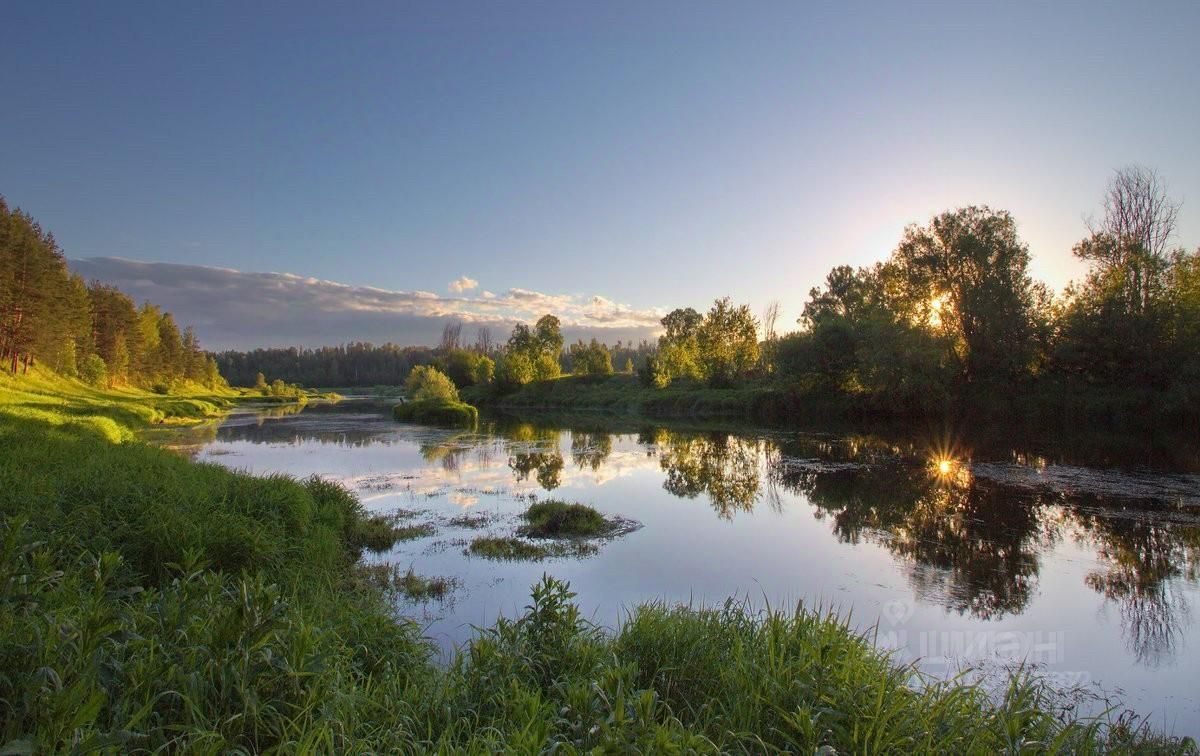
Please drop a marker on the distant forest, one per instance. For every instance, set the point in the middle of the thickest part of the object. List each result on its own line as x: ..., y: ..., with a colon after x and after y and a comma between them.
x: 362, y: 364
x: 92, y: 331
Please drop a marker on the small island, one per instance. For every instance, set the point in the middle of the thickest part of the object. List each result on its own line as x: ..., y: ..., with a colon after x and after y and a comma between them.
x: 433, y: 399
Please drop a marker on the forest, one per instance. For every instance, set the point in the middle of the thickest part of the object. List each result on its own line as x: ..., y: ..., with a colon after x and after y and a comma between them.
x: 87, y: 330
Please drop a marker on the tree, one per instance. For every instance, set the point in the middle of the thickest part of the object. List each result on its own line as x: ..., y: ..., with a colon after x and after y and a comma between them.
x: 93, y: 371
x: 591, y: 359
x: 260, y: 382
x: 678, y: 349
x: 427, y: 383
x: 547, y: 335
x: 966, y: 274
x: 728, y: 343
x: 546, y: 367
x: 514, y: 369
x: 1129, y: 245
x: 451, y: 335
x: 466, y: 368
x: 483, y: 340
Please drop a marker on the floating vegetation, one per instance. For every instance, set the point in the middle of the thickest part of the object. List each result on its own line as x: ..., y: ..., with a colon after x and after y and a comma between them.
x: 382, y: 532
x: 553, y: 518
x: 390, y: 578
x: 514, y: 549
x: 473, y: 520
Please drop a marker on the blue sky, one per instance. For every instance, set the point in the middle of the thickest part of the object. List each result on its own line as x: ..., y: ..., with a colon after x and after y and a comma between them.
x: 650, y: 154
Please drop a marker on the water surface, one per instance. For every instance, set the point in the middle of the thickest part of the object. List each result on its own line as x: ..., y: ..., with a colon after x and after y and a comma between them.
x: 960, y: 553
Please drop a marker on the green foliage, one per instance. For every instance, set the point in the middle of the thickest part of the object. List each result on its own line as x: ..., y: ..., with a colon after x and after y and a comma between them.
x: 553, y: 518
x: 508, y: 549
x: 426, y: 383
x: 50, y: 317
x: 546, y: 367
x: 466, y: 368
x: 93, y: 371
x: 590, y: 359
x: 531, y: 354
x: 720, y: 347
x: 447, y: 412
x: 513, y: 370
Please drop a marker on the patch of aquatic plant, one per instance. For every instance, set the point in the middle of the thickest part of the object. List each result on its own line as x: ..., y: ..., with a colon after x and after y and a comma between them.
x: 553, y: 518
x: 447, y: 412
x: 516, y: 549
x: 473, y: 520
x: 382, y: 532
x: 390, y: 578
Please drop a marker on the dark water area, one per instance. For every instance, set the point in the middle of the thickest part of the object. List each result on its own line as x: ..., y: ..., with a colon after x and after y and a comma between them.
x: 1078, y: 556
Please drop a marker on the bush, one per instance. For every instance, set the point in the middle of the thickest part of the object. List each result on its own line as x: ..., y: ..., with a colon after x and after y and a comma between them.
x: 426, y: 383
x: 93, y: 371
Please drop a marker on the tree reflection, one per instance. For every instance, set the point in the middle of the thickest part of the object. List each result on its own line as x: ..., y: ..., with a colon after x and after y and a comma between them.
x: 1144, y: 563
x: 726, y: 467
x: 590, y: 449
x: 535, y: 450
x: 972, y: 547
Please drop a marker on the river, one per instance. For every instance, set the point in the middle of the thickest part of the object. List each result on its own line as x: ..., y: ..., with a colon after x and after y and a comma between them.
x: 1084, y: 563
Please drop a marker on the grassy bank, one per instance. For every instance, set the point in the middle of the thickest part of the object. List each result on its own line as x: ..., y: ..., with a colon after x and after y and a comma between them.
x: 622, y: 394
x: 151, y: 603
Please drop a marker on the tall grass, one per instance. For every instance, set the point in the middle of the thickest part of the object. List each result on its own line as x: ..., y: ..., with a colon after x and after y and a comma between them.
x: 148, y: 603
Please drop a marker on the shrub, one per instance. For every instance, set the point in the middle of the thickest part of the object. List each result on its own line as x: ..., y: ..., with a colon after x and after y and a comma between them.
x: 93, y: 371
x: 427, y: 383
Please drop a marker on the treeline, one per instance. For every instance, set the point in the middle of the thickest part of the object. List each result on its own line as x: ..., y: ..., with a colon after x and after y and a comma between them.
x: 91, y: 331
x: 951, y: 320
x: 362, y: 364
x: 355, y: 364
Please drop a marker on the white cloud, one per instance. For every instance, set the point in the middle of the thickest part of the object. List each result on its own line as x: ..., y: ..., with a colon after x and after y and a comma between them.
x: 233, y: 309
x: 461, y: 284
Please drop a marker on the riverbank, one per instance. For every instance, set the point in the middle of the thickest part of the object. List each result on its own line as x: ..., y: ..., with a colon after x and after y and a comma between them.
x: 622, y: 394
x: 1045, y: 409
x: 152, y: 602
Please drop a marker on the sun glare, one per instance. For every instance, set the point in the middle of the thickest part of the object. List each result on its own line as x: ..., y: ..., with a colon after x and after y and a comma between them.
x: 935, y: 309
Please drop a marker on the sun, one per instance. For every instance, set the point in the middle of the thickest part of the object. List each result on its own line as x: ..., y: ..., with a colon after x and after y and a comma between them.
x: 945, y: 466
x: 936, y: 305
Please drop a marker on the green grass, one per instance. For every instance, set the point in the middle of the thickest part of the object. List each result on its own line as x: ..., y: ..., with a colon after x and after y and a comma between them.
x: 442, y: 412
x: 382, y: 532
x: 556, y: 519
x: 152, y: 604
x: 515, y: 549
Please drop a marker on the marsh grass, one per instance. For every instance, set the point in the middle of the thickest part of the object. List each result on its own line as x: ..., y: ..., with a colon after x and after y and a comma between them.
x: 382, y: 532
x: 553, y: 518
x: 390, y: 578
x: 152, y: 604
x: 473, y: 520
x: 517, y: 549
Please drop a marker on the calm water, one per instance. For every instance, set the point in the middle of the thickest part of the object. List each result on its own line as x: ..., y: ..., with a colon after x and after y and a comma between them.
x: 962, y: 555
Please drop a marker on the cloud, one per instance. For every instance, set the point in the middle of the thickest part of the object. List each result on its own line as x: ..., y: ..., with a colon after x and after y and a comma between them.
x: 461, y: 284
x: 234, y: 309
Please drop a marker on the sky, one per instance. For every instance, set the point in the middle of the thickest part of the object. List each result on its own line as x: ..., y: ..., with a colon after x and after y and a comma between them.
x: 310, y: 173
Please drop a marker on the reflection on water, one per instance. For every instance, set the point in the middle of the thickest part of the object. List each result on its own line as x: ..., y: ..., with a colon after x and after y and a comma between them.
x: 932, y: 534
